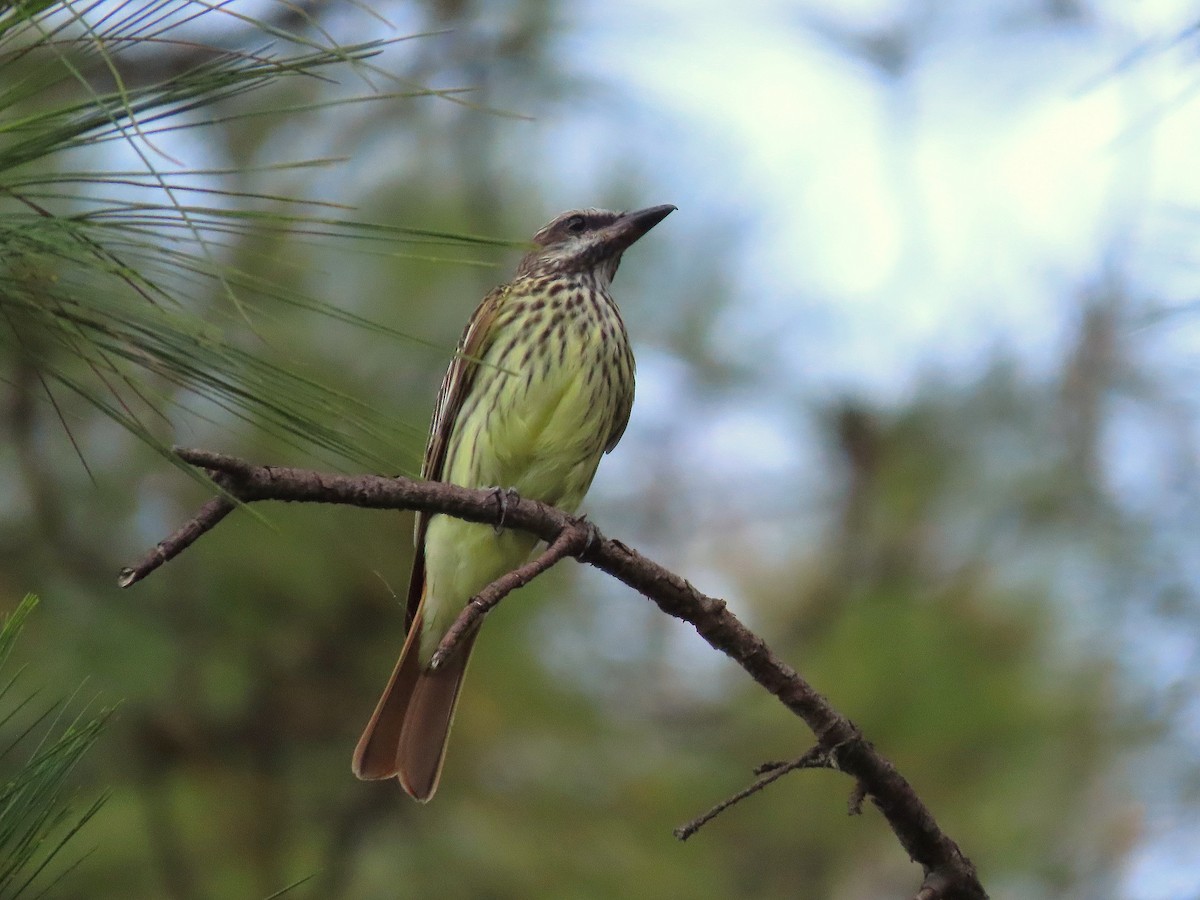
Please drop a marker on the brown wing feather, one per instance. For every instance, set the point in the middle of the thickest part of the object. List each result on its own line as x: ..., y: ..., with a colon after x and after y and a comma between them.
x: 624, y: 409
x: 625, y: 403
x: 456, y: 383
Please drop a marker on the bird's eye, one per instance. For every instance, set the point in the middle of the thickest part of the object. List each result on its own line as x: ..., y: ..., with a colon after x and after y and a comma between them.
x: 575, y: 224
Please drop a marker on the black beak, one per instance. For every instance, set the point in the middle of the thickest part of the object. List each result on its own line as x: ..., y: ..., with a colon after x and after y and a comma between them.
x: 631, y: 226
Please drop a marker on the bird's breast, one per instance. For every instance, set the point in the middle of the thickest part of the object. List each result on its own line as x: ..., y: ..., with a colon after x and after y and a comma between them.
x: 546, y: 395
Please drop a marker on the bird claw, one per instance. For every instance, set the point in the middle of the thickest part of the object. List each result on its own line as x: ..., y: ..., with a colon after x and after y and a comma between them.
x: 591, y: 534
x: 503, y: 496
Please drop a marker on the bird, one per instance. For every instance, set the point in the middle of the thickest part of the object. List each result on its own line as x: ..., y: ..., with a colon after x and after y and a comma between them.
x: 541, y: 387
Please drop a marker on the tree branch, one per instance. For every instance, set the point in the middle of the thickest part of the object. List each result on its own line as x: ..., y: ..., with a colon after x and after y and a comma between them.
x: 165, y: 550
x: 570, y: 542
x: 947, y: 870
x: 817, y: 757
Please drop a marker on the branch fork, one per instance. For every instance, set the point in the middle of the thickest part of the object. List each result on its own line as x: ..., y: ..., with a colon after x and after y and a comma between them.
x: 573, y: 540
x: 816, y: 757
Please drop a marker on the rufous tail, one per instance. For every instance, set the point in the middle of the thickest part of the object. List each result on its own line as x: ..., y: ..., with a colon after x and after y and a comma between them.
x: 406, y: 737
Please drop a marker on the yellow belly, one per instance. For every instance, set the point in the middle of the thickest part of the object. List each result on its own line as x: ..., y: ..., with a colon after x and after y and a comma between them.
x: 541, y: 429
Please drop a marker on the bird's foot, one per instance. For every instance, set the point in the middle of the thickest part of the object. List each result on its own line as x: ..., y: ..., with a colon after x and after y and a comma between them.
x: 590, y: 536
x: 504, y: 497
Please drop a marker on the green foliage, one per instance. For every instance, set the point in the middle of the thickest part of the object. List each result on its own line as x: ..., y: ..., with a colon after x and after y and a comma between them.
x: 38, y: 819
x: 121, y: 287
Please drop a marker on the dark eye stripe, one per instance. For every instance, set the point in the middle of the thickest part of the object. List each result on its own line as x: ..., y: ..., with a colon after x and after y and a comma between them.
x: 576, y: 222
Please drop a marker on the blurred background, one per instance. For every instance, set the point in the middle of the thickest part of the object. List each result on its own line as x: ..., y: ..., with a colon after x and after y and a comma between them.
x: 916, y: 395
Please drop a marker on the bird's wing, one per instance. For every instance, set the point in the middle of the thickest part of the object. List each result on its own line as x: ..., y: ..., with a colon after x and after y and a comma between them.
x: 624, y: 408
x: 456, y: 385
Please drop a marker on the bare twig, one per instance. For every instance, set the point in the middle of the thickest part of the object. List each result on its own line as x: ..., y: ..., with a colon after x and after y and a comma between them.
x: 857, y: 796
x: 570, y: 542
x: 936, y: 886
x: 224, y: 471
x: 217, y: 462
x: 204, y: 520
x: 910, y: 820
x: 817, y: 757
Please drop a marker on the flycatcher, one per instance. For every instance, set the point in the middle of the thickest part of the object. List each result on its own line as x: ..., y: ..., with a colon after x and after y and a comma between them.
x: 540, y: 389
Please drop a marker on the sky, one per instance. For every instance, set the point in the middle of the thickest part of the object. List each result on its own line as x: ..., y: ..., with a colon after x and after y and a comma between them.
x: 944, y: 209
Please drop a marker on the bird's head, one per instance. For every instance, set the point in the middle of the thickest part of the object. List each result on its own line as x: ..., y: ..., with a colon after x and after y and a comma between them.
x: 589, y: 240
